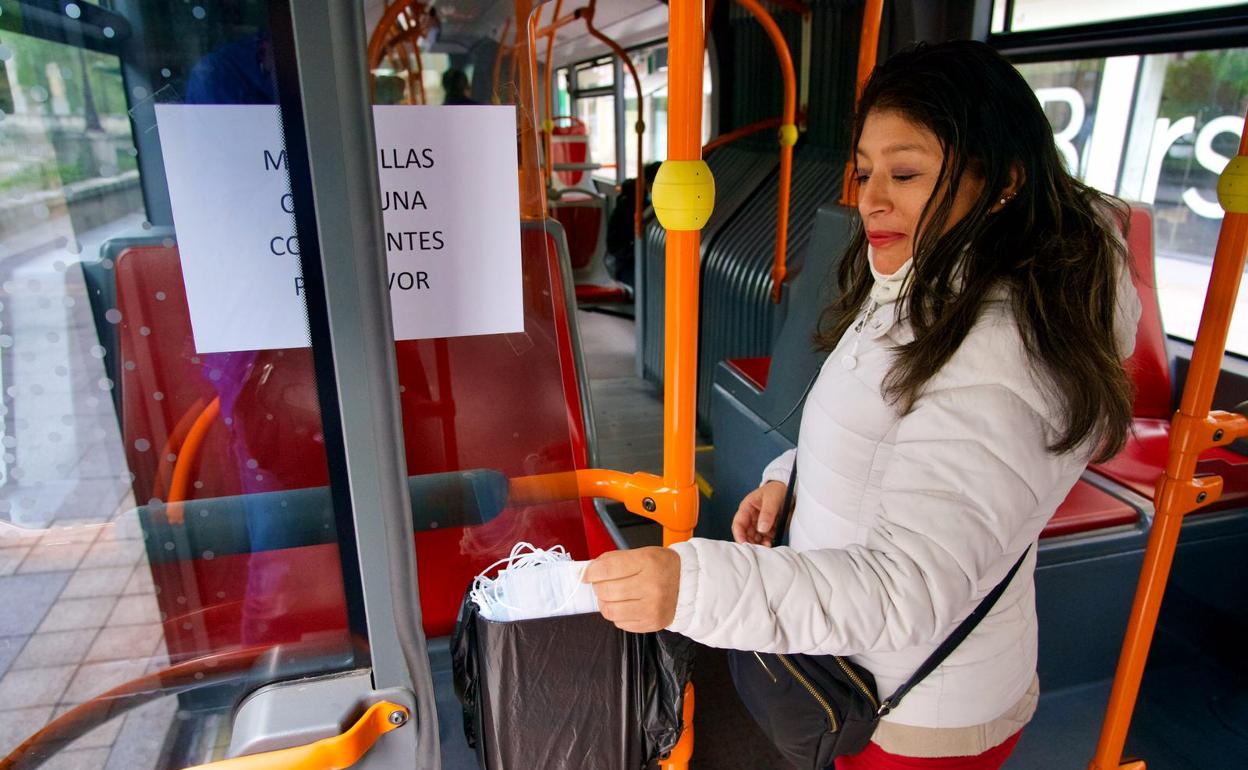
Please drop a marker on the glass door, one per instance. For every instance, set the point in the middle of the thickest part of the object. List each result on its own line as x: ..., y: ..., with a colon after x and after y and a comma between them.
x: 188, y: 479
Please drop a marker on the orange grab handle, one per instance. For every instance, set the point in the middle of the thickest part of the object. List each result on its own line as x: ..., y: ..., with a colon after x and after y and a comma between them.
x: 336, y: 753
x: 1193, y: 430
x: 778, y: 269
x: 868, y: 52
x: 639, y: 204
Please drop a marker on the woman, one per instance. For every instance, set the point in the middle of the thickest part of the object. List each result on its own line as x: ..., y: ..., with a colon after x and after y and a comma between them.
x: 976, y: 367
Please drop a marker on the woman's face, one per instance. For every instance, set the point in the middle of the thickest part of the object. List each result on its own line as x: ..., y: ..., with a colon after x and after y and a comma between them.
x: 898, y: 164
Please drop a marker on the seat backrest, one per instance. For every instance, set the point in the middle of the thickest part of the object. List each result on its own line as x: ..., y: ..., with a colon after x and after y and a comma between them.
x: 583, y: 218
x: 1149, y: 365
x: 506, y: 402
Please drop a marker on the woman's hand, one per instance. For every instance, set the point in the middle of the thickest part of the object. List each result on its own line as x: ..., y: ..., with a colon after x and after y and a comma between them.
x: 637, y: 588
x: 755, y: 521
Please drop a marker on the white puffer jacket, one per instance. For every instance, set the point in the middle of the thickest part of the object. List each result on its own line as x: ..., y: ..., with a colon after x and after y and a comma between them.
x: 903, y: 523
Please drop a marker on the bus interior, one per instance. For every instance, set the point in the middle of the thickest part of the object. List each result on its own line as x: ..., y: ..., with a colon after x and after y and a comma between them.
x: 241, y: 499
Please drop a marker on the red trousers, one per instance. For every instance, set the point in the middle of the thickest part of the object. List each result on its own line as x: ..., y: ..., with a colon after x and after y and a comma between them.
x: 875, y: 758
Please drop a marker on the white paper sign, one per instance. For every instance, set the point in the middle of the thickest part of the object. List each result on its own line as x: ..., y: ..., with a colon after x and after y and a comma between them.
x: 450, y: 207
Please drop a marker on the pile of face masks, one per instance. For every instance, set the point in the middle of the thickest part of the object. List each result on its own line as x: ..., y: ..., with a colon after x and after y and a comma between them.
x: 535, y: 583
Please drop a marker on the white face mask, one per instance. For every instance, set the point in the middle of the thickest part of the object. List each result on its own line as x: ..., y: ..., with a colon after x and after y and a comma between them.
x: 534, y: 584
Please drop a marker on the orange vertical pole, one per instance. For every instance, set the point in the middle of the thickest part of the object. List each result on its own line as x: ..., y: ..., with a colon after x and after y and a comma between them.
x: 684, y: 195
x: 1193, y: 430
x: 868, y: 52
x: 788, y: 137
x: 532, y: 190
x: 684, y: 134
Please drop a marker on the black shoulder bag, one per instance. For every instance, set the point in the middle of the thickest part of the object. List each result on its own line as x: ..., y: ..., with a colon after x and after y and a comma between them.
x: 815, y: 708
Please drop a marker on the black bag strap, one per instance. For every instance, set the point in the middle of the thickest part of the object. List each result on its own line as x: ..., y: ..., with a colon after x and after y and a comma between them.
x: 946, y: 647
x: 960, y: 633
x: 786, y: 508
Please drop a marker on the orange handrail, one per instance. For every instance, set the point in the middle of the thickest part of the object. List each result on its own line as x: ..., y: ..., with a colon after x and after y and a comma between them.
x: 173, y: 444
x: 741, y: 133
x: 788, y: 136
x: 1193, y: 430
x: 639, y: 127
x: 187, y: 456
x: 868, y: 52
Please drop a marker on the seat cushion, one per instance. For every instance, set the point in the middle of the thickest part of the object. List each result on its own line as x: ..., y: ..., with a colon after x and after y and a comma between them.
x: 1143, y: 460
x: 1088, y: 508
x: 754, y: 370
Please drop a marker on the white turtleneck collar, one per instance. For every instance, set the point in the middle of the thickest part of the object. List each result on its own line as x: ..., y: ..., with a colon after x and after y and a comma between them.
x: 887, y: 288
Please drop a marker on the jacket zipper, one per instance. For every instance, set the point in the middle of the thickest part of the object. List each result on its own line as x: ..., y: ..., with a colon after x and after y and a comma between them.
x: 849, y: 672
x: 814, y: 693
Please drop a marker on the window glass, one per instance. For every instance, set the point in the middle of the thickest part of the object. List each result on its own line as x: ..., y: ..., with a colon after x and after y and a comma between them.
x: 1157, y: 129
x: 1049, y: 14
x: 598, y: 75
x: 651, y: 64
x: 160, y: 505
x: 598, y: 115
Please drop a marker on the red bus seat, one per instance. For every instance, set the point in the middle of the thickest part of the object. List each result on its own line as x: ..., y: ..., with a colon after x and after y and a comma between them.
x: 754, y: 370
x: 1143, y: 459
x: 505, y: 402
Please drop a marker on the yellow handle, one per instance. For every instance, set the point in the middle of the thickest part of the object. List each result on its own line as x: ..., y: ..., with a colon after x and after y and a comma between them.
x: 336, y: 753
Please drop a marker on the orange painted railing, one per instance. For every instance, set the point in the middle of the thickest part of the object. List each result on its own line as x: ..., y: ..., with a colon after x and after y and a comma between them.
x: 788, y: 137
x: 868, y: 52
x: 1193, y: 430
x: 741, y: 133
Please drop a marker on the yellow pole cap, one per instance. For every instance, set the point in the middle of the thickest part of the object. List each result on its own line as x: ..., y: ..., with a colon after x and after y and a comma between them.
x: 683, y: 194
x: 548, y: 126
x: 788, y: 135
x: 1233, y: 186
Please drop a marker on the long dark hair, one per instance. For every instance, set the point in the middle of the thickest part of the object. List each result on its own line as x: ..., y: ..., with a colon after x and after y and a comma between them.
x: 1052, y: 245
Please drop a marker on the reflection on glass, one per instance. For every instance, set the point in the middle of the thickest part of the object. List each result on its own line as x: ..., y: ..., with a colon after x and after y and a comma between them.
x: 158, y: 507
x: 1157, y: 129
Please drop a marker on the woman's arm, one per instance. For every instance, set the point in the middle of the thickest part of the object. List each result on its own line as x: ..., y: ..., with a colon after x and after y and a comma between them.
x: 959, y: 501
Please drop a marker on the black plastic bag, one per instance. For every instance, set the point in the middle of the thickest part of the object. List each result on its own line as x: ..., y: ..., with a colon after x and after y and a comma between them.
x: 568, y: 692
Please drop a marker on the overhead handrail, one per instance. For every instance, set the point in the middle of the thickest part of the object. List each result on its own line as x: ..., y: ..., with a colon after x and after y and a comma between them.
x: 868, y: 52
x: 639, y: 127
x: 787, y: 137
x: 1193, y: 430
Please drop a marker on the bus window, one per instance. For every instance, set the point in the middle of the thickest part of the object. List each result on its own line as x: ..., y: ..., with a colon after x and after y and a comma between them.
x: 593, y: 100
x: 1031, y: 15
x: 162, y: 498
x: 1157, y: 129
x: 651, y: 64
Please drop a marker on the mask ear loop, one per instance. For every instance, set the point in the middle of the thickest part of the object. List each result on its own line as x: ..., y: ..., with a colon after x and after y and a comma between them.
x: 486, y: 590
